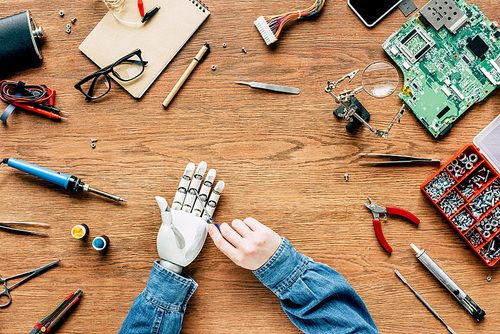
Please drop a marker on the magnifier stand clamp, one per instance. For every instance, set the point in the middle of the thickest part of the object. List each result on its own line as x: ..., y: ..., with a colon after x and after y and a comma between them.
x: 383, y: 83
x: 354, y: 123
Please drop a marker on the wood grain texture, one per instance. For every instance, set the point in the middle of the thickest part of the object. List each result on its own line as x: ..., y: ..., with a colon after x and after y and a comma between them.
x: 282, y: 157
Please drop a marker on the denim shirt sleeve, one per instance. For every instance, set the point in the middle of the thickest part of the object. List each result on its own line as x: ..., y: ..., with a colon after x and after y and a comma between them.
x: 316, y: 298
x: 159, y: 309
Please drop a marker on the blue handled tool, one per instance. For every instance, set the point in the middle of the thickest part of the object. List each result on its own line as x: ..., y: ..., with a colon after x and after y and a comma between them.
x: 69, y: 182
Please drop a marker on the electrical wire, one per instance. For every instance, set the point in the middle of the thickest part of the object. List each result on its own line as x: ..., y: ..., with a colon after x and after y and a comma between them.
x: 276, y: 22
x: 13, y: 91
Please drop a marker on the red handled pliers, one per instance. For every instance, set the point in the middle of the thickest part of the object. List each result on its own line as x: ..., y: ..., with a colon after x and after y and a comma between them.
x: 377, y: 210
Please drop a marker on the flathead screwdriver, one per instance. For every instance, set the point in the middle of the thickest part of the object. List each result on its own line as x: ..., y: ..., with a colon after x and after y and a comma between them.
x: 69, y: 182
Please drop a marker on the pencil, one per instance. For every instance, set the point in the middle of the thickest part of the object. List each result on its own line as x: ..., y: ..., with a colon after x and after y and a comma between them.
x: 186, y: 74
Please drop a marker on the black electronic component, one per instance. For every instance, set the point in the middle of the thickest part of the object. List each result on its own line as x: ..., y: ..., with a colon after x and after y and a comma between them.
x: 443, y: 112
x: 477, y: 46
x: 496, y: 34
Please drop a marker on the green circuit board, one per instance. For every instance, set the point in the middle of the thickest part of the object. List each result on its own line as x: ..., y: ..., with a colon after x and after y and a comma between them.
x: 449, y: 53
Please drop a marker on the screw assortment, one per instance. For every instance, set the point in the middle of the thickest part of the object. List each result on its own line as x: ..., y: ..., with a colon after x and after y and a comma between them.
x: 451, y: 202
x: 439, y: 185
x: 467, y: 192
x: 463, y: 163
x: 489, y: 224
x: 475, y: 182
x: 463, y: 220
x: 474, y: 237
x: 485, y: 200
x: 491, y: 251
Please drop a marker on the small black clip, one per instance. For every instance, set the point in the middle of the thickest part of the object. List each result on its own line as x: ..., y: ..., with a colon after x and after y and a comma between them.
x: 150, y: 14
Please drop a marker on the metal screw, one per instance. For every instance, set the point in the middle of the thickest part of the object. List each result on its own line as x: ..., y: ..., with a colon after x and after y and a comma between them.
x: 488, y: 278
x: 73, y: 20
x: 68, y: 30
x: 93, y: 140
x: 346, y: 177
x: 243, y: 49
x: 61, y: 13
x: 213, y: 67
x: 224, y: 45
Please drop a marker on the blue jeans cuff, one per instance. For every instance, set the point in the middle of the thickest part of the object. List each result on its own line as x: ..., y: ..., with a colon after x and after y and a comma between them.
x: 283, y: 268
x: 169, y: 290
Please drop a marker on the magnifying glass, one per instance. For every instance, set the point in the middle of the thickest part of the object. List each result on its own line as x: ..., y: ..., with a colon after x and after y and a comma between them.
x: 379, y: 79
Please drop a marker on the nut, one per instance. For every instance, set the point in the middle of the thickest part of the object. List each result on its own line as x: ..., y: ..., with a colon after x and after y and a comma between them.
x: 213, y: 67
x: 61, y: 13
x: 92, y: 145
x: 488, y: 278
x: 68, y: 30
x: 224, y: 45
x: 68, y: 26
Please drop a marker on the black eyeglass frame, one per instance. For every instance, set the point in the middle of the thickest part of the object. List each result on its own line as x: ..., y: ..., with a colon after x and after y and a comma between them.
x: 105, y: 71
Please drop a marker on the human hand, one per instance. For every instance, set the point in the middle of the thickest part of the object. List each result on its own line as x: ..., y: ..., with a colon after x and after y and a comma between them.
x: 184, y: 227
x: 249, y: 244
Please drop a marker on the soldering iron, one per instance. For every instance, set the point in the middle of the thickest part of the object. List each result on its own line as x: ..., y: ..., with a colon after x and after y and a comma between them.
x: 69, y: 182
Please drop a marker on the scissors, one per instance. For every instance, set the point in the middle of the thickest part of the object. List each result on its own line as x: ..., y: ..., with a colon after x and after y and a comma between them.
x: 30, y: 274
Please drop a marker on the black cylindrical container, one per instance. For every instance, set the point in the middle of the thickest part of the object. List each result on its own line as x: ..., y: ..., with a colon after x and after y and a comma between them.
x: 18, y: 49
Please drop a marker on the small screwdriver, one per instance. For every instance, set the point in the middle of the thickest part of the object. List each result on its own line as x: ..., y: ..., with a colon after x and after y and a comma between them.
x: 68, y: 182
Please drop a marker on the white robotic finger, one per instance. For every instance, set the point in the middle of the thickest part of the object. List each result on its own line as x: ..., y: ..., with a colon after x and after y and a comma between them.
x: 204, y: 192
x: 194, y: 187
x: 212, y: 201
x: 167, y: 222
x: 183, y: 186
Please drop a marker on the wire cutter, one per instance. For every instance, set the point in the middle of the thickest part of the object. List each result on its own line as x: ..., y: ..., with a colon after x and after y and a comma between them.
x: 30, y: 274
x: 51, y: 321
x: 377, y: 210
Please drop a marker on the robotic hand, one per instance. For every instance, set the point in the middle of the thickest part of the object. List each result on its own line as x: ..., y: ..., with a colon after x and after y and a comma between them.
x: 184, y: 226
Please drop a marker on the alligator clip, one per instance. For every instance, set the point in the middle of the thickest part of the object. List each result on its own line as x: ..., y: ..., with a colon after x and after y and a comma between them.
x: 377, y: 210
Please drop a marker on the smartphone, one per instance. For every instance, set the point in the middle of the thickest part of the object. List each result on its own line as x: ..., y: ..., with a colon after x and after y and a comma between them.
x: 371, y: 11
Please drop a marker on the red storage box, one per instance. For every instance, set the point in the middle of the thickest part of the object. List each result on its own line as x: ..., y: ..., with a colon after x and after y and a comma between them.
x: 466, y: 190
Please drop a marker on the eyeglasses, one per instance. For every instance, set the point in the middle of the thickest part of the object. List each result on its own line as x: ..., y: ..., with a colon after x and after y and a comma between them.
x: 98, y: 83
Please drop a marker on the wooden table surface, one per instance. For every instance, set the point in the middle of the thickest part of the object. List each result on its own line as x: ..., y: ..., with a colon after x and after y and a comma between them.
x: 283, y: 158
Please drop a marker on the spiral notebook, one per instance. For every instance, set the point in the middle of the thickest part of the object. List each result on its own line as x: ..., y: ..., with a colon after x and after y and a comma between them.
x: 160, y: 38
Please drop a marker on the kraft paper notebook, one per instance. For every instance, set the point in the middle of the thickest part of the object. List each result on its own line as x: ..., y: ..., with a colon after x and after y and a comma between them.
x: 160, y: 38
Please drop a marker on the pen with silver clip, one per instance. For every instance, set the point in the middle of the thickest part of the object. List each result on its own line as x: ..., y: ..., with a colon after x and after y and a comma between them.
x: 443, y: 277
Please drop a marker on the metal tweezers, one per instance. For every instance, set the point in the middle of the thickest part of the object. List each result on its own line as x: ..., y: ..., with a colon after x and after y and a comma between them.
x: 15, y: 230
x: 394, y: 159
x: 271, y: 87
